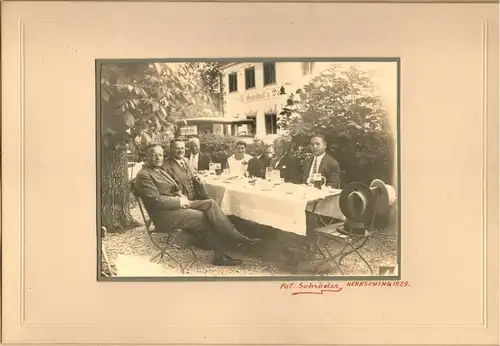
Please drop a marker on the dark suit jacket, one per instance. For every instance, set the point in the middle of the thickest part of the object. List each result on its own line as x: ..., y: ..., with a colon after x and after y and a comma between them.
x: 203, y: 161
x: 329, y: 168
x: 289, y: 168
x: 158, y: 191
x: 257, y: 166
x: 180, y: 176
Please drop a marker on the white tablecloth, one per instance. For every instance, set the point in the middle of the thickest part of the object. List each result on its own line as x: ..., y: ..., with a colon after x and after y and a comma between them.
x: 275, y: 208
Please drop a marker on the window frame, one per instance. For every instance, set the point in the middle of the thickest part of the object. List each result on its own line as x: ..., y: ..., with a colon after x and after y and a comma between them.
x: 307, y: 67
x: 247, y: 69
x: 229, y: 75
x: 273, y: 82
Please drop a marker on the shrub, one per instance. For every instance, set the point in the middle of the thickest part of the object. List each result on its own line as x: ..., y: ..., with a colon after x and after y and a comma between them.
x: 220, y: 147
x: 343, y: 105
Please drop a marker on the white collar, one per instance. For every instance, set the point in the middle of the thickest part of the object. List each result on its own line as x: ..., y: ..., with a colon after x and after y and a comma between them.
x: 319, y: 158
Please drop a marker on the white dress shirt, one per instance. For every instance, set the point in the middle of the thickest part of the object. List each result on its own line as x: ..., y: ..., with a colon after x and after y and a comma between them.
x: 193, y: 161
x: 318, y: 163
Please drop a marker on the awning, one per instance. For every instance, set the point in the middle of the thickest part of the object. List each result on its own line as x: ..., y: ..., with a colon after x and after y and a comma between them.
x: 213, y: 120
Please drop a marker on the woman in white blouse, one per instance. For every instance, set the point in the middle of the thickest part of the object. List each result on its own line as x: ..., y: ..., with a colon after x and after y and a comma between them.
x: 238, y: 163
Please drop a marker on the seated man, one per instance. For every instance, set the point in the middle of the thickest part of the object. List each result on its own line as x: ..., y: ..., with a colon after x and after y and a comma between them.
x: 238, y: 162
x: 257, y: 165
x: 321, y: 163
x: 198, y: 161
x: 288, y: 165
x: 325, y: 165
x: 171, y: 203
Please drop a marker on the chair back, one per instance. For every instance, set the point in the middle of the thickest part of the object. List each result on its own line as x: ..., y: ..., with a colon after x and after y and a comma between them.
x: 142, y: 208
x: 341, y: 179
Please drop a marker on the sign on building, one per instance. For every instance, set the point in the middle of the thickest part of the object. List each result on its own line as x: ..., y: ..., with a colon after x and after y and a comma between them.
x: 189, y: 130
x: 262, y: 95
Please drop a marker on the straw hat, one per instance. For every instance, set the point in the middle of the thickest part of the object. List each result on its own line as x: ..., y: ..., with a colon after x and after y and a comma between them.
x: 357, y: 202
x: 385, y: 193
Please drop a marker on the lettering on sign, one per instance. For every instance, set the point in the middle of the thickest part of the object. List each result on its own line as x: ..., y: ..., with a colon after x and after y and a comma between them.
x: 189, y: 130
x: 262, y: 95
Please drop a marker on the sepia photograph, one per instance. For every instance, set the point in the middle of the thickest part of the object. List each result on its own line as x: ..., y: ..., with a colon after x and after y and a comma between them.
x: 309, y: 173
x: 248, y: 169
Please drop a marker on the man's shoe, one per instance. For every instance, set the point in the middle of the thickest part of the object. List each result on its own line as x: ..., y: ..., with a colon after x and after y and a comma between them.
x: 227, y: 261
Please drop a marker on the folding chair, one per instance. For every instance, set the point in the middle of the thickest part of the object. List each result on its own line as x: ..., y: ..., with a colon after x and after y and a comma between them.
x: 341, y: 178
x: 132, y: 199
x: 349, y: 242
x: 163, y: 246
x: 106, y: 266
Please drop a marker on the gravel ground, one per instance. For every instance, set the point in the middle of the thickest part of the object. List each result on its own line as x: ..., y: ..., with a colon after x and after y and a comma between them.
x: 268, y: 260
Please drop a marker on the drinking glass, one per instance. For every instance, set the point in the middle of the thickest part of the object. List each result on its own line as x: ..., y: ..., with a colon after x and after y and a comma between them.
x: 211, y: 168
x: 269, y: 173
x: 226, y: 171
x: 218, y: 168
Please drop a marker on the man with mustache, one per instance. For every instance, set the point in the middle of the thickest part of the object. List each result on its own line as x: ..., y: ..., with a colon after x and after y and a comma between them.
x: 288, y: 165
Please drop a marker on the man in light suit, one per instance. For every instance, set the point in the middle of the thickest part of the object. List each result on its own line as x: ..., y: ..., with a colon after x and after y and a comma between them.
x: 288, y: 165
x: 167, y: 201
x: 321, y: 163
x: 197, y: 160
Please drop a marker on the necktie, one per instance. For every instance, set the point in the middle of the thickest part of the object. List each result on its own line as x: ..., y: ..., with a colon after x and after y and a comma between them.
x: 315, y: 165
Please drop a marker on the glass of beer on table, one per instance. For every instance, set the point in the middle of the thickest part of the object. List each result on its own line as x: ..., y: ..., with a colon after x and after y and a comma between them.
x: 318, y: 181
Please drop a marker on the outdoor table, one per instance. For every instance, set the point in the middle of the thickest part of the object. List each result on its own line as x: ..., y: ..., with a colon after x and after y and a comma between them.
x: 280, y: 206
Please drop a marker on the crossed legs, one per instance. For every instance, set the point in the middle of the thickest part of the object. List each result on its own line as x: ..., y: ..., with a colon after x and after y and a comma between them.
x: 206, y: 217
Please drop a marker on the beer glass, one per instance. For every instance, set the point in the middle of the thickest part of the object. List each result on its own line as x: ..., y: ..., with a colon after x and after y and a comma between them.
x: 218, y: 168
x: 318, y: 181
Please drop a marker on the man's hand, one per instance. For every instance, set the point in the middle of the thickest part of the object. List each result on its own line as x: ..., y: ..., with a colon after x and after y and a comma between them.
x: 184, y: 201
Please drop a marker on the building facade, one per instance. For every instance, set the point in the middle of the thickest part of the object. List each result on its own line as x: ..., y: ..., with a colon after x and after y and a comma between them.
x: 259, y: 90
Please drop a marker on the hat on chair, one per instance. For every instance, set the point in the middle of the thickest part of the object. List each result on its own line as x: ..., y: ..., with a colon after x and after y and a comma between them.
x: 386, y: 195
x: 357, y: 202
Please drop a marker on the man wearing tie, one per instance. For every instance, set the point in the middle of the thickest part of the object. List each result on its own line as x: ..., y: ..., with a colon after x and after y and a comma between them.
x: 288, y: 165
x: 257, y: 165
x: 321, y: 163
x: 325, y: 165
x: 171, y: 202
x: 197, y: 160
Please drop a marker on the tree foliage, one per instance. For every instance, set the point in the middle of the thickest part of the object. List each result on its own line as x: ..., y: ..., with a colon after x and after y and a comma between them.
x: 344, y: 106
x: 207, y: 76
x: 139, y: 103
x: 144, y: 99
